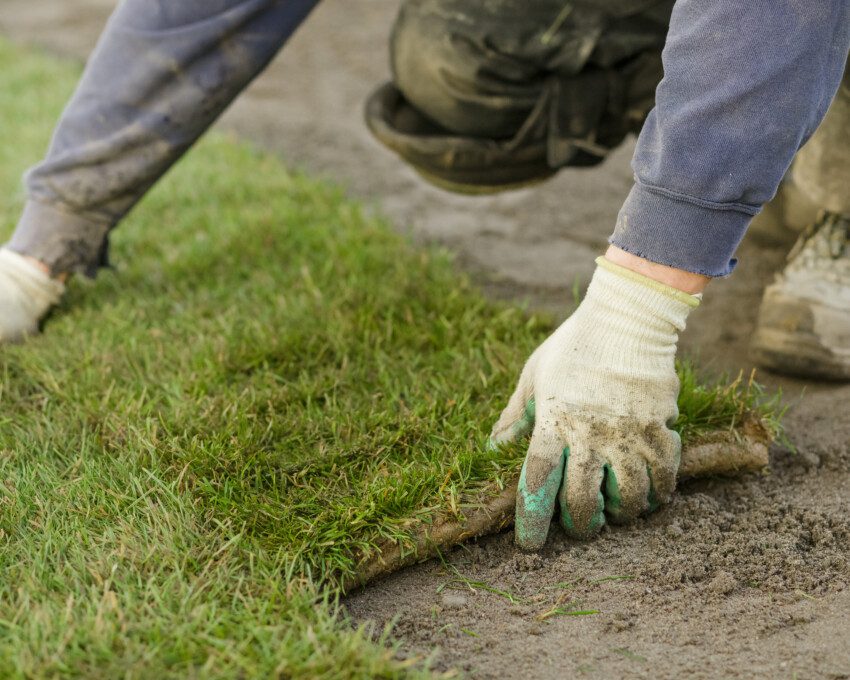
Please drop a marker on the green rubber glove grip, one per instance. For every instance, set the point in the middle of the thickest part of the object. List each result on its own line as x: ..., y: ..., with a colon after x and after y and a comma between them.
x: 535, y: 507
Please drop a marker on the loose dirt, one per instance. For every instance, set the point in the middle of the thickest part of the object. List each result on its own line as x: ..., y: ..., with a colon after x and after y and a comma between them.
x: 719, y: 453
x: 736, y: 578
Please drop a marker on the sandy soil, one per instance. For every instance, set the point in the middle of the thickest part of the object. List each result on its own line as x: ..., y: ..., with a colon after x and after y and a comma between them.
x: 737, y: 578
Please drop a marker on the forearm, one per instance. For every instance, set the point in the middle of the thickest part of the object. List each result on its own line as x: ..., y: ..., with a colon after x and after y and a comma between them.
x: 745, y: 85
x: 161, y: 74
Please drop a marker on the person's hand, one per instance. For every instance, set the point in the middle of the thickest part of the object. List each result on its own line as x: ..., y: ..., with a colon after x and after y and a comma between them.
x: 26, y: 294
x: 599, y: 396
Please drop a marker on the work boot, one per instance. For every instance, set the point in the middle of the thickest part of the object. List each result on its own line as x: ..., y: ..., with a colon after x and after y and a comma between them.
x: 26, y: 296
x: 803, y: 326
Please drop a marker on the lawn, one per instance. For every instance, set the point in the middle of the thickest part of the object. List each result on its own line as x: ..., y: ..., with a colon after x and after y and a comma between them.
x: 212, y: 436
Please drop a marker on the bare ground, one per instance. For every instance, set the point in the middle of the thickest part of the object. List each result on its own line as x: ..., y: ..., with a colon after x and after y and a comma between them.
x: 737, y: 578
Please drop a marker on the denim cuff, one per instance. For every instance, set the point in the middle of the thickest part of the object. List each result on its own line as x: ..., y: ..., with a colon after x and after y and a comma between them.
x: 63, y: 240
x: 682, y: 231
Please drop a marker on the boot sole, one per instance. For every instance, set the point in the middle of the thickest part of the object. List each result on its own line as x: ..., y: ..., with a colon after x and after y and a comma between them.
x: 786, y: 338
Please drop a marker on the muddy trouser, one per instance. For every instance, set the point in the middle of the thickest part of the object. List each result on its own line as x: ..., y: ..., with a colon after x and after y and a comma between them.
x: 162, y: 72
x: 483, y: 70
x: 577, y: 77
x: 740, y: 96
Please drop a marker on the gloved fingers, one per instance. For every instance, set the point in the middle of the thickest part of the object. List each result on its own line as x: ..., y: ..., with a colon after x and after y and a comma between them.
x: 26, y: 295
x: 516, y: 425
x: 541, y: 477
x: 517, y: 419
x: 641, y: 473
x: 663, y: 455
x: 581, y: 500
x: 627, y: 487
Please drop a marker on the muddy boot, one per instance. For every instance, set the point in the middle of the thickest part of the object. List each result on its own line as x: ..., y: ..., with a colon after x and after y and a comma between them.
x: 804, y: 322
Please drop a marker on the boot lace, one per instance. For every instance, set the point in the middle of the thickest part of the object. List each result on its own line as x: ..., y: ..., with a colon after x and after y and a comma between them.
x: 832, y: 232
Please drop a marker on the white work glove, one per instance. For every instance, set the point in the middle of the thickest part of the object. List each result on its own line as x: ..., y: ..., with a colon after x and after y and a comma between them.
x: 26, y: 295
x: 600, y: 395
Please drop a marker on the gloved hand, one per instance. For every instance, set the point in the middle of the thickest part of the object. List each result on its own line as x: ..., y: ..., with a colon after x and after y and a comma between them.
x: 26, y: 295
x: 600, y: 395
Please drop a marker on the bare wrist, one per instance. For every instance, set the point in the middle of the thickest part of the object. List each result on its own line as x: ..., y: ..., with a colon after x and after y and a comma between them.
x: 677, y: 278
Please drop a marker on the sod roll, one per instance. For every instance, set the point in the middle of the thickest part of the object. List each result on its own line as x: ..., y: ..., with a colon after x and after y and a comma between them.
x: 721, y: 453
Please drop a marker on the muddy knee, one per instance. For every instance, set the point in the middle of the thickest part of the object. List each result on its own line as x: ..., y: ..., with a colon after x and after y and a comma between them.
x: 498, y: 94
x: 442, y: 66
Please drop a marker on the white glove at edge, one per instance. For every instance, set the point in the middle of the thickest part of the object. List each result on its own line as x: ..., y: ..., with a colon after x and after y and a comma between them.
x: 600, y: 394
x: 26, y: 295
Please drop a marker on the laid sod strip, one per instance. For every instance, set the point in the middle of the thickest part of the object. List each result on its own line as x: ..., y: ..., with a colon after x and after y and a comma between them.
x: 716, y: 453
x: 726, y: 429
x: 139, y: 492
x: 208, y: 442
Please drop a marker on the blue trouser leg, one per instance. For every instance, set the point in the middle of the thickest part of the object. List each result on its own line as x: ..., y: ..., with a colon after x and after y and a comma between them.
x: 162, y: 72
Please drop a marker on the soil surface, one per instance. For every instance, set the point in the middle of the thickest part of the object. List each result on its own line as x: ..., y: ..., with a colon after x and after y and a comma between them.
x: 736, y: 578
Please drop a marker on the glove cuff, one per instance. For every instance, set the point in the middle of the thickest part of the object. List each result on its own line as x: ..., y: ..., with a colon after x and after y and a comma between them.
x: 635, y: 304
x: 663, y: 288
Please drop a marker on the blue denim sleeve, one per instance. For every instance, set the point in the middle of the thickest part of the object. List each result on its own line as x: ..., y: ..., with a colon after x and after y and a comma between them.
x: 162, y: 72
x: 745, y: 85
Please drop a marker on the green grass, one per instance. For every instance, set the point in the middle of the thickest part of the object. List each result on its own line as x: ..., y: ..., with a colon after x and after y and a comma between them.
x: 721, y: 404
x: 207, y: 438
